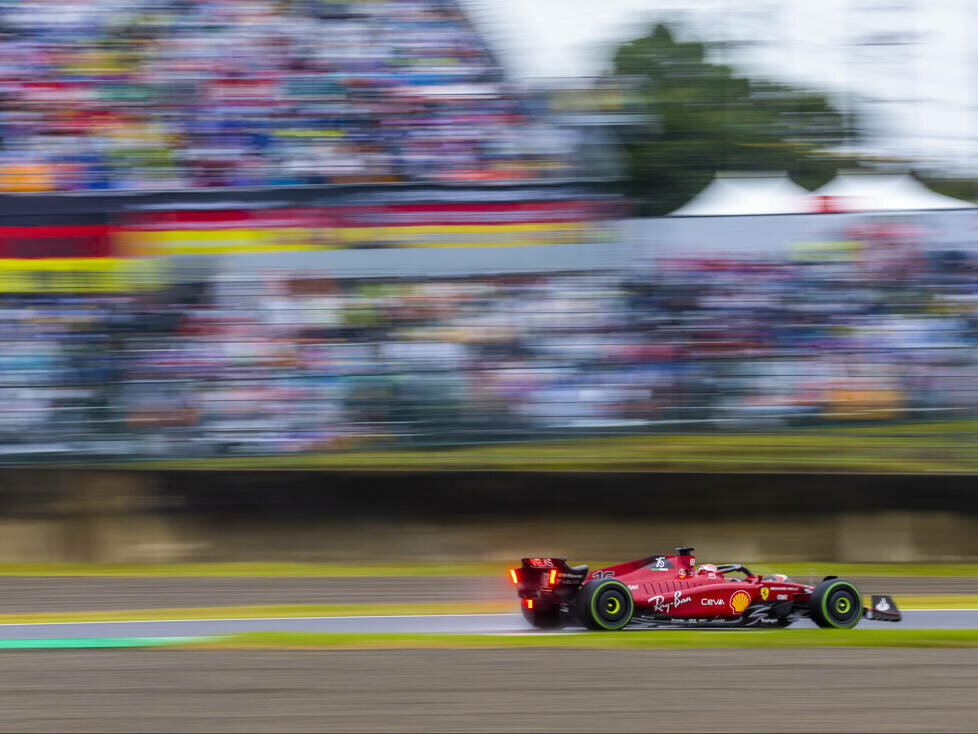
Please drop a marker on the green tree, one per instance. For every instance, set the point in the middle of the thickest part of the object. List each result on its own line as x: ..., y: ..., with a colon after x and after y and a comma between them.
x: 965, y: 189
x: 703, y: 119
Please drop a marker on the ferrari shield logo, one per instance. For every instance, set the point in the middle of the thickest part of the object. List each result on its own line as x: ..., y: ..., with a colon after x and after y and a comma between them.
x: 765, y: 592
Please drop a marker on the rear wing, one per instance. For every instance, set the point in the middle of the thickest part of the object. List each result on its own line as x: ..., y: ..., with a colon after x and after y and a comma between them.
x: 547, y: 572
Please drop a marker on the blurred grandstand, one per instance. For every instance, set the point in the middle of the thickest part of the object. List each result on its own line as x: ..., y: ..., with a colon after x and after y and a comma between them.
x: 171, y: 94
x: 274, y: 363
x: 237, y: 227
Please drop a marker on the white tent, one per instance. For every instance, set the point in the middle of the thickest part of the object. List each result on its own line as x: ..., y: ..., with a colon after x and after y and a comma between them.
x: 881, y: 192
x: 739, y: 194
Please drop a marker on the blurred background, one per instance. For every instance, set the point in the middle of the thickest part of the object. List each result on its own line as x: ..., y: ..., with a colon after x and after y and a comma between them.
x: 316, y: 316
x: 433, y: 234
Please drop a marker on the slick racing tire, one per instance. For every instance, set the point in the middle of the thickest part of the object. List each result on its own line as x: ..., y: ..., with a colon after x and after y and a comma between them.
x: 836, y: 603
x: 604, y: 604
x: 544, y: 617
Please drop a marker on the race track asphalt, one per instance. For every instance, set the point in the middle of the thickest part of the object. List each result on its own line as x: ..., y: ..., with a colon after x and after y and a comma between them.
x: 436, y: 623
x: 513, y: 690
x: 28, y: 594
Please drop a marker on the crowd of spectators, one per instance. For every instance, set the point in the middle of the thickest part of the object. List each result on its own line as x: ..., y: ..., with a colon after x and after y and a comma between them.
x: 183, y: 94
x: 178, y: 94
x: 274, y: 363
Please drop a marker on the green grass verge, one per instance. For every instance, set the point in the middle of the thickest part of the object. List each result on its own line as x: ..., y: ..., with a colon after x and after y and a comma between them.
x: 797, y: 569
x: 926, y: 447
x: 657, y: 639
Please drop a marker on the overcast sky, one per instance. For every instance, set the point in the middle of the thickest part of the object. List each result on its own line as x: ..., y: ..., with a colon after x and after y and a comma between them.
x: 908, y: 65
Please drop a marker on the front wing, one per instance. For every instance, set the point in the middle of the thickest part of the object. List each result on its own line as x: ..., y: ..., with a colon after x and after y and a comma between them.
x: 882, y: 609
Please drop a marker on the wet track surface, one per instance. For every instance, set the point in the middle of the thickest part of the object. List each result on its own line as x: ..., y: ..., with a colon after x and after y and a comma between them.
x: 70, y: 594
x: 439, y: 623
x: 84, y: 594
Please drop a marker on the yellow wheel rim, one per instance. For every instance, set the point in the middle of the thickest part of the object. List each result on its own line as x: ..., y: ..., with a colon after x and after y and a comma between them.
x: 613, y: 605
x: 843, y: 605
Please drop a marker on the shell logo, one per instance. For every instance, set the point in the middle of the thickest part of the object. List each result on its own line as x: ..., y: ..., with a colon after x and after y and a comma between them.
x: 739, y: 601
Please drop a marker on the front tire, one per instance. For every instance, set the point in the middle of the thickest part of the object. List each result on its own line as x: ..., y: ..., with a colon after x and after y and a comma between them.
x: 836, y: 604
x: 604, y: 604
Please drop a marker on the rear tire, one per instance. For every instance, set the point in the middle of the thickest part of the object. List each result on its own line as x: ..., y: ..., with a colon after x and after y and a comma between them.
x: 544, y: 618
x: 604, y: 604
x: 836, y: 604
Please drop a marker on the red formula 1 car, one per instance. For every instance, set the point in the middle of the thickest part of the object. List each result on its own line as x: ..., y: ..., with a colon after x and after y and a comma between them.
x: 664, y: 590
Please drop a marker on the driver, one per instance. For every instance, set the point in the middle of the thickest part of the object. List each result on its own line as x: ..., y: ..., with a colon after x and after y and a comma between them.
x: 708, y: 570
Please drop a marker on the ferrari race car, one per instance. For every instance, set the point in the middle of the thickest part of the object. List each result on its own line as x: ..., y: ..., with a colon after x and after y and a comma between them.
x: 670, y: 590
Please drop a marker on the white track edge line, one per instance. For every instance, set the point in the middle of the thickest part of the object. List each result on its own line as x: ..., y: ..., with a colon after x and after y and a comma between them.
x: 286, y: 619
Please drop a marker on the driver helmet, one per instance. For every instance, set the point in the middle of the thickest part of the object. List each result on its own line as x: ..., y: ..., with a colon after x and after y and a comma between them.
x: 707, y: 569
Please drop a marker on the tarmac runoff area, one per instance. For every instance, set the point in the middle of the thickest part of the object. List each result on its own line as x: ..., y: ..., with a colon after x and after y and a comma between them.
x: 513, y: 689
x: 163, y: 629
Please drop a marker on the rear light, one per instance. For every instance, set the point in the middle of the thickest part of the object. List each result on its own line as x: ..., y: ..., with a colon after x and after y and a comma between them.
x: 512, y: 575
x: 553, y: 576
x: 529, y: 603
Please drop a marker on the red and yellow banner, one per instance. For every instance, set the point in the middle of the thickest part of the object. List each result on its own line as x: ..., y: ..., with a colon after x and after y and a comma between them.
x: 131, y: 253
x: 324, y: 228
